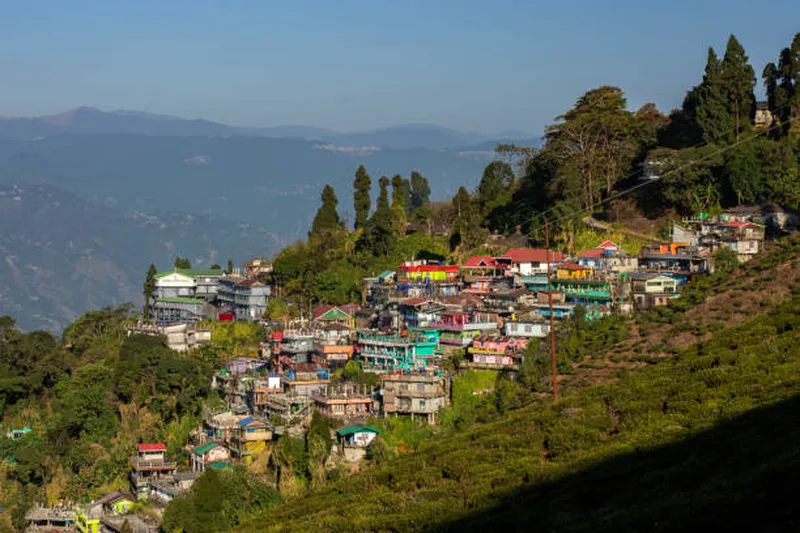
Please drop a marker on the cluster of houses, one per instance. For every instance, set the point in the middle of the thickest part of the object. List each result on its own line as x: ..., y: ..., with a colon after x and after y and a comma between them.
x: 189, y: 295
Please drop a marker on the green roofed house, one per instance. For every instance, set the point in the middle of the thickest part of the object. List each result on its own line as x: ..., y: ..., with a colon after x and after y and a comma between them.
x: 357, y: 436
x: 16, y: 434
x: 208, y: 454
x: 181, y: 294
x: 220, y: 465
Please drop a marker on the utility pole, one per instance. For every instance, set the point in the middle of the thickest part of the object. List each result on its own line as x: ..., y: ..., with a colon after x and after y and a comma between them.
x: 553, y: 371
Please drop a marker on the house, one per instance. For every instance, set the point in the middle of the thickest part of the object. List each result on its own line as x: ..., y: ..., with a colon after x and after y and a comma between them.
x: 244, y: 365
x: 390, y: 353
x: 345, y: 401
x: 420, y: 279
x: 460, y: 327
x: 414, y: 394
x: 591, y: 257
x: 331, y: 314
x: 334, y: 355
x: 674, y: 258
x: 150, y: 464
x: 331, y: 333
x: 256, y: 267
x: 584, y: 291
x: 530, y: 261
x: 304, y: 379
x: 188, y: 283
x: 179, y: 309
x: 763, y: 117
x: 479, y: 272
x: 571, y: 270
x: 744, y: 238
x: 526, y: 328
x: 354, y: 440
x: 116, y: 502
x: 258, y: 389
x: 249, y: 437
x: 418, y: 312
x: 652, y: 290
x: 208, y: 453
x: 246, y: 299
x: 496, y: 352
x: 46, y: 519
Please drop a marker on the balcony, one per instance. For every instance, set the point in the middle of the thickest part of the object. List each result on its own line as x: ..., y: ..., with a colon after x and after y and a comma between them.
x: 152, y: 465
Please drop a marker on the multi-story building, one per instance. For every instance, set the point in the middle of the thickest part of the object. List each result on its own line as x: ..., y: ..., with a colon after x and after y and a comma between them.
x: 652, y: 290
x: 150, y: 464
x: 530, y: 261
x: 390, y: 353
x: 460, y: 327
x: 182, y: 295
x: 496, y: 352
x: 347, y: 401
x: 414, y: 394
x: 246, y: 299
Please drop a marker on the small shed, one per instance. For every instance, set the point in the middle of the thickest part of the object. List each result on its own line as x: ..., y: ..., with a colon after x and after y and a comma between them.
x: 357, y: 436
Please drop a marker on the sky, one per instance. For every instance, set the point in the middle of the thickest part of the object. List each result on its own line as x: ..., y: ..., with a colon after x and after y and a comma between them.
x: 485, y: 66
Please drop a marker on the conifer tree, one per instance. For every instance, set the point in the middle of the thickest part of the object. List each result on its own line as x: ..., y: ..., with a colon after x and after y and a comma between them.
x: 327, y: 218
x: 149, y: 289
x: 381, y: 225
x: 738, y: 80
x: 420, y: 191
x: 713, y: 115
x: 182, y: 262
x: 361, y: 199
x: 401, y: 200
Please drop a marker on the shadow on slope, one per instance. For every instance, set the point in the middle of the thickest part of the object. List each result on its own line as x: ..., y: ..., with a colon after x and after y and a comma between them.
x: 742, y: 475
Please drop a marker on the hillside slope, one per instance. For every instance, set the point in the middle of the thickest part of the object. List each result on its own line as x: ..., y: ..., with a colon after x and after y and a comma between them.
x: 704, y: 440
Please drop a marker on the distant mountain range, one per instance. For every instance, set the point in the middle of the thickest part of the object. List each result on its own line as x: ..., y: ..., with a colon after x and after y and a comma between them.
x: 88, y: 199
x: 62, y: 255
x: 91, y: 121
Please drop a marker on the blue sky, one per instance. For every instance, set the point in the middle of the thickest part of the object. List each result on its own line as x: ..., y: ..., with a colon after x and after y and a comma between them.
x: 473, y: 65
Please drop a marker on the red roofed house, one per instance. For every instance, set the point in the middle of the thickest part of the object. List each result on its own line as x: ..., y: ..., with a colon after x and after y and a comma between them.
x: 479, y: 271
x: 591, y: 257
x: 608, y: 245
x: 531, y: 261
x: 570, y: 270
x: 149, y: 465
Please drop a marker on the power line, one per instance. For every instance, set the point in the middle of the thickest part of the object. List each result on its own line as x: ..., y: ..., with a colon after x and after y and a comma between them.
x: 669, y: 172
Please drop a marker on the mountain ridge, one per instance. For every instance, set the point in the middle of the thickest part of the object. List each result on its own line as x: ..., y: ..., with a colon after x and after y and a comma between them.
x: 85, y: 120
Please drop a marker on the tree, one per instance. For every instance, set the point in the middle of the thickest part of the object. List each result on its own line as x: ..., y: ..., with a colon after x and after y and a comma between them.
x: 494, y: 189
x: 713, y: 115
x: 595, y: 139
x: 420, y: 191
x: 149, y: 289
x: 782, y: 85
x: 380, y: 238
x: 401, y: 201
x: 327, y: 217
x: 230, y: 266
x: 738, y: 79
x: 361, y: 199
x: 182, y: 262
x: 318, y: 444
x: 468, y: 233
x: 216, y: 266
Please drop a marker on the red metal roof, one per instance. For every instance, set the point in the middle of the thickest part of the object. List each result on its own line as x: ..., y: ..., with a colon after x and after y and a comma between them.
x: 429, y: 268
x: 736, y: 224
x: 533, y: 255
x: 414, y: 301
x: 591, y: 253
x: 607, y: 245
x: 153, y: 447
x: 481, y: 261
x: 572, y: 266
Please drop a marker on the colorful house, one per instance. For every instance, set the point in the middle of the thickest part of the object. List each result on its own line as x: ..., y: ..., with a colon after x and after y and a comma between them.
x: 390, y: 353
x: 570, y: 270
x: 249, y: 437
x: 496, y: 352
x: 460, y: 327
x: 530, y: 261
x: 357, y: 436
x: 422, y: 271
x: 653, y: 290
x: 150, y: 464
x: 208, y: 453
x: 527, y: 329
x: 117, y: 503
x: 584, y: 291
x: 478, y: 273
x: 331, y: 314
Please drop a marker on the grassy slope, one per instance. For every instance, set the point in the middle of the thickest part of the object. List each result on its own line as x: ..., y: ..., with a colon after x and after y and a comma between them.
x: 700, y: 441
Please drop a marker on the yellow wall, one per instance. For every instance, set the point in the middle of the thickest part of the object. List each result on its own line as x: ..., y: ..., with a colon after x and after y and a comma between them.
x: 563, y: 273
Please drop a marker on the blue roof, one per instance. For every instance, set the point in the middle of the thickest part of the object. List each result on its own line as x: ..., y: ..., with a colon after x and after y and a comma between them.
x: 245, y: 421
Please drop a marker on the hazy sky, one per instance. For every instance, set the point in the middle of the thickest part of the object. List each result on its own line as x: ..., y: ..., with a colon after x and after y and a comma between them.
x: 473, y: 65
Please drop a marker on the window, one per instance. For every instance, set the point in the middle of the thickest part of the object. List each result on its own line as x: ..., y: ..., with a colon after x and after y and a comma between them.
x: 422, y: 404
x: 528, y: 329
x: 420, y: 387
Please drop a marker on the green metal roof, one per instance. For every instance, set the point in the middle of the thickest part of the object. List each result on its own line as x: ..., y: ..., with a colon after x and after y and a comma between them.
x: 352, y: 430
x: 179, y: 300
x: 192, y: 272
x: 220, y: 465
x: 205, y: 448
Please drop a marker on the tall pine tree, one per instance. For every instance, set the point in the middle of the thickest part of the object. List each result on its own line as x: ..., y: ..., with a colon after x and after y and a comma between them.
x: 420, y: 191
x: 738, y: 79
x: 401, y: 200
x: 327, y: 217
x: 149, y: 289
x: 361, y: 199
x: 713, y: 115
x: 381, y: 225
